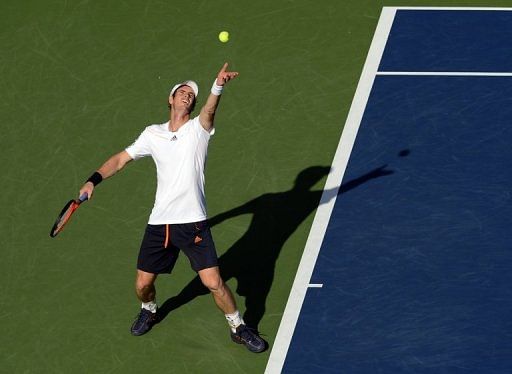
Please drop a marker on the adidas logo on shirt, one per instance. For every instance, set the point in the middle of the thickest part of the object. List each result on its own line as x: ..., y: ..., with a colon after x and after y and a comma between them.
x: 174, y: 138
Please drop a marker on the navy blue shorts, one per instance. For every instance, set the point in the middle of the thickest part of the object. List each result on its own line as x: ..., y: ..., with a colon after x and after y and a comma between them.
x: 161, y: 246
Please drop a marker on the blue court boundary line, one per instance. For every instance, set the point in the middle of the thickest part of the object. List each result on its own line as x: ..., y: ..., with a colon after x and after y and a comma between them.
x: 370, y: 72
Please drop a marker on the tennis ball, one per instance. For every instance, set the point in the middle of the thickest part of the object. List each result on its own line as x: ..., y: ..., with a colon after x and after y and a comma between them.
x: 224, y: 36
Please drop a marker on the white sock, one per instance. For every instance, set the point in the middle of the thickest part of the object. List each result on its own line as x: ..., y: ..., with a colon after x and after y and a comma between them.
x: 151, y: 306
x: 234, y: 320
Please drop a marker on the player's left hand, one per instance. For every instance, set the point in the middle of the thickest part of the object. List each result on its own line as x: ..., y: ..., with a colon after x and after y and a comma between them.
x: 225, y: 76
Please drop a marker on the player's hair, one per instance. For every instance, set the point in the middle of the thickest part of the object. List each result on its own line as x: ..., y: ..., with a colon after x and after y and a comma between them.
x: 193, y: 102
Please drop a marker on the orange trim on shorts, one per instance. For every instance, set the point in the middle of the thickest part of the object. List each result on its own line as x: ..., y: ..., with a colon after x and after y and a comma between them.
x: 166, y: 235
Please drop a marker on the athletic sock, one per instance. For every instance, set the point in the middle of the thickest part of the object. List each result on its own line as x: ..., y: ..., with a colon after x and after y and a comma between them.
x: 151, y: 306
x: 234, y: 320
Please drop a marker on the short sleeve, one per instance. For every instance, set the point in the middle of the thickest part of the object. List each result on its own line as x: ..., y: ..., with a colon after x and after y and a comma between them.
x: 199, y: 128
x: 140, y: 148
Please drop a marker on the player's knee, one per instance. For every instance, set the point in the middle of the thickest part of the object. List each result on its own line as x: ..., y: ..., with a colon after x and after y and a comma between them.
x: 214, y: 284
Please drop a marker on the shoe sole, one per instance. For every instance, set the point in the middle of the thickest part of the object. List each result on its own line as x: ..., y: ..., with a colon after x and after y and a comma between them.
x: 136, y: 333
x: 253, y: 350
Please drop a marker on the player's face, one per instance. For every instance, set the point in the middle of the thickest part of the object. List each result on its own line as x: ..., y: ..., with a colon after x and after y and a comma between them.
x: 183, y: 98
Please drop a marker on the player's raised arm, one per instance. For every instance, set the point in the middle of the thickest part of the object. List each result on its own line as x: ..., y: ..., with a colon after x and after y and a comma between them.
x: 109, y: 168
x: 207, y: 114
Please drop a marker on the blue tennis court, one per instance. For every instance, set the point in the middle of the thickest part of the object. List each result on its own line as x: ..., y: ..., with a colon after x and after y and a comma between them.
x: 413, y: 272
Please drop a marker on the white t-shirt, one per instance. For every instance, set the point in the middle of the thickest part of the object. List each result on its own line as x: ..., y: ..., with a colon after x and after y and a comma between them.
x: 180, y: 159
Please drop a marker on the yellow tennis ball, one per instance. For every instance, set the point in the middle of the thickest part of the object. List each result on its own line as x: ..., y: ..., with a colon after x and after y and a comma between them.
x: 224, y: 36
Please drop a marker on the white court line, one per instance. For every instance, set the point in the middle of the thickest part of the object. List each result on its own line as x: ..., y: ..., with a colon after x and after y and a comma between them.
x: 323, y: 213
x: 446, y: 73
x: 315, y: 285
x: 450, y: 8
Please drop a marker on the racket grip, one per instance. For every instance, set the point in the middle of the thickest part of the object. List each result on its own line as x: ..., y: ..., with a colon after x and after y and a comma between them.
x: 83, y: 197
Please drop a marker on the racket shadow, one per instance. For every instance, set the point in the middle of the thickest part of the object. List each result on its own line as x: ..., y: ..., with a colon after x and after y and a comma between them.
x: 251, y: 259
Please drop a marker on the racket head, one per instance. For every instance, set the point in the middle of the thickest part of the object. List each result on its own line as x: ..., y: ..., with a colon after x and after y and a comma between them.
x: 65, y: 215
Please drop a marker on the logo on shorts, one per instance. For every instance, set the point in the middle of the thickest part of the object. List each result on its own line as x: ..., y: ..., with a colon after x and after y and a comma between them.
x: 198, y: 239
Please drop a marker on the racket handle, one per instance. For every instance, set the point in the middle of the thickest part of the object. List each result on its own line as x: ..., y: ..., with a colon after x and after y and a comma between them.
x: 83, y: 197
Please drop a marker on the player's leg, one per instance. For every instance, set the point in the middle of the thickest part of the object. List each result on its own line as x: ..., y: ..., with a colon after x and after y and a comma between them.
x: 145, y: 286
x: 220, y: 291
x: 224, y: 299
x: 156, y: 256
x: 196, y: 242
x: 146, y: 293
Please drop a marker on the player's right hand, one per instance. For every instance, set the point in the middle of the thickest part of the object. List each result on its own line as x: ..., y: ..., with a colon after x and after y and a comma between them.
x: 88, y: 189
x: 225, y: 76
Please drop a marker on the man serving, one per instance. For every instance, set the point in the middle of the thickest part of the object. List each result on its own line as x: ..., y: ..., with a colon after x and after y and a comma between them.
x: 178, y: 220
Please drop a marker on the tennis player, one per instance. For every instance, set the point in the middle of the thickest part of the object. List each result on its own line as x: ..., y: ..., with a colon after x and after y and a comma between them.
x: 178, y: 220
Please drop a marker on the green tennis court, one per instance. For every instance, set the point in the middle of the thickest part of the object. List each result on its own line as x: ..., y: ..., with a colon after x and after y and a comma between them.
x: 79, y: 82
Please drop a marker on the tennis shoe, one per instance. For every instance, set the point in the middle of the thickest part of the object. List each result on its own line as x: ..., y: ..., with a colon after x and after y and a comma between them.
x: 144, y: 322
x: 248, y: 337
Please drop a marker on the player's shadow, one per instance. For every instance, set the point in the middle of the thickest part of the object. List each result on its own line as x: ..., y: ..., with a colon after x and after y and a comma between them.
x: 251, y: 260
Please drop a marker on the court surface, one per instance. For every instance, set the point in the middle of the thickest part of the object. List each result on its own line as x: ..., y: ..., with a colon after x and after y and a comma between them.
x: 79, y: 82
x: 413, y: 272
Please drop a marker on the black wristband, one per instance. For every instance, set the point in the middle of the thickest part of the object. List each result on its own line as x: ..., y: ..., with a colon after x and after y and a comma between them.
x: 95, y: 179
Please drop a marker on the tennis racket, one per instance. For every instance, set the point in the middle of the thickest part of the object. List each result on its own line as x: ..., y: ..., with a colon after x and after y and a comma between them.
x: 66, y: 214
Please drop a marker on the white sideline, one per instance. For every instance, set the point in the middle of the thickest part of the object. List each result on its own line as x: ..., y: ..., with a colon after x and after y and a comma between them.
x: 447, y: 73
x: 323, y: 213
